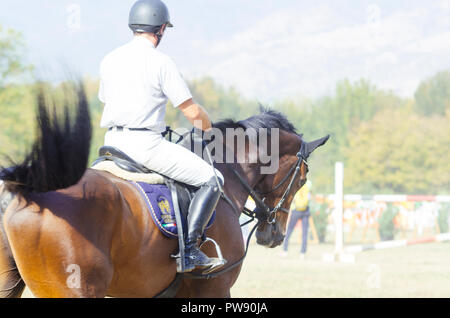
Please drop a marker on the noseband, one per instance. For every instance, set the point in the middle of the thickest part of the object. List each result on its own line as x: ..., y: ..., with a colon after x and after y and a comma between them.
x: 263, y: 211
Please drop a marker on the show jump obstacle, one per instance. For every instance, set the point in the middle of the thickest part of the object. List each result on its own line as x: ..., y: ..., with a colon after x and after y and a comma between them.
x: 389, y: 244
x: 347, y: 254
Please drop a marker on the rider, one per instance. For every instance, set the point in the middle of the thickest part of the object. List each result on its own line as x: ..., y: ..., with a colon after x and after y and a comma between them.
x: 136, y: 81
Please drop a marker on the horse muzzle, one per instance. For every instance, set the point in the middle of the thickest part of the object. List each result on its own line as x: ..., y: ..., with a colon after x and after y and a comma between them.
x: 269, y: 236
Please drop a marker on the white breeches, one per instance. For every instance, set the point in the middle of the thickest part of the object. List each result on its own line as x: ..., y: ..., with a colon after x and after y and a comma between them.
x: 162, y: 156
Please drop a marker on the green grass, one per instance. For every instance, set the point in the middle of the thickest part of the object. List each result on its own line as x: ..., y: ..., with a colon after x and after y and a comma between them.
x: 411, y: 271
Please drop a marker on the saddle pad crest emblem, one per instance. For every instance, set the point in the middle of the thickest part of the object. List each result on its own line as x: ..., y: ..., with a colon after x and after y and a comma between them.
x: 166, y: 211
x: 160, y: 205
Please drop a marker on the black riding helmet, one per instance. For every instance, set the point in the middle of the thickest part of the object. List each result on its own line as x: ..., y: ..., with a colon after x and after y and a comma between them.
x: 149, y: 16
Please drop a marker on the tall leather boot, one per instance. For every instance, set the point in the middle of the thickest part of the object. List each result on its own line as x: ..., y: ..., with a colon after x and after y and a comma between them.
x: 200, y: 211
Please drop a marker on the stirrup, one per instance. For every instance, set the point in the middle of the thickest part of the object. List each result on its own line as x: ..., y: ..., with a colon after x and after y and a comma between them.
x: 219, y: 261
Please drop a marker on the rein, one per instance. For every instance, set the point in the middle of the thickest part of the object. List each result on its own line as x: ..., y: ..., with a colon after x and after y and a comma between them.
x: 227, y: 269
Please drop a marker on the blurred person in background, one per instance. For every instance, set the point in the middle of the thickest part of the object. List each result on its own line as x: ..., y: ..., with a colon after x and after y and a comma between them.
x: 299, y: 211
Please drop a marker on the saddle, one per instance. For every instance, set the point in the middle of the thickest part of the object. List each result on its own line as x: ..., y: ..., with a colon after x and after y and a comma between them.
x: 167, y: 200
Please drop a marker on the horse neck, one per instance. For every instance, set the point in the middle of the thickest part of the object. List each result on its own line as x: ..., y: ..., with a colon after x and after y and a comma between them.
x: 233, y: 187
x: 251, y: 172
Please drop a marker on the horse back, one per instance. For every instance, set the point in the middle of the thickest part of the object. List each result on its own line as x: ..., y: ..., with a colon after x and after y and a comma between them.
x: 64, y: 236
x: 79, y: 241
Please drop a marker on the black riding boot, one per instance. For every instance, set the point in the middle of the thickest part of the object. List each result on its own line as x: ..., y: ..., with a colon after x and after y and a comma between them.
x: 200, y: 211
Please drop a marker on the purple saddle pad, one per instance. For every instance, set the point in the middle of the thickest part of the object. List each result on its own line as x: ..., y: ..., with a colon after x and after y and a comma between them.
x: 160, y: 205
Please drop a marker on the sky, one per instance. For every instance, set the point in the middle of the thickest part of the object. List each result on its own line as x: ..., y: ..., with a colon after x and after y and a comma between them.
x: 267, y: 50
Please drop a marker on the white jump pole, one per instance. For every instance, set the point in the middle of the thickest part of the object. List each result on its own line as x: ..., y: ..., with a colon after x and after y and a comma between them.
x: 339, y: 207
x: 338, y: 255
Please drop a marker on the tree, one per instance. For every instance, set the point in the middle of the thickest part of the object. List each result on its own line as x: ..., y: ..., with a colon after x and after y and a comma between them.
x: 218, y: 101
x: 221, y: 102
x: 433, y: 95
x: 399, y: 151
x: 16, y: 101
x: 352, y: 104
x: 11, y: 56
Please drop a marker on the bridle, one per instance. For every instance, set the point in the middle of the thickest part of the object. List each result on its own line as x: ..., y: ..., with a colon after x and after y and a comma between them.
x: 263, y: 211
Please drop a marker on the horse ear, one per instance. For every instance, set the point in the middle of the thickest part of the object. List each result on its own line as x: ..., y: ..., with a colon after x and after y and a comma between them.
x: 311, y: 146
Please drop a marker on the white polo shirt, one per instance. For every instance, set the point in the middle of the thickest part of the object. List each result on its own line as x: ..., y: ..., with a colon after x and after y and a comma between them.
x: 136, y: 81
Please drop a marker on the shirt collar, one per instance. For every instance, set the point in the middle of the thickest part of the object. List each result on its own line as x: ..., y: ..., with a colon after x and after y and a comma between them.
x: 141, y: 39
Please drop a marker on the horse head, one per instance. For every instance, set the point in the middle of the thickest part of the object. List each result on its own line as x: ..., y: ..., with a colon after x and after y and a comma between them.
x: 278, y: 189
x: 271, y: 180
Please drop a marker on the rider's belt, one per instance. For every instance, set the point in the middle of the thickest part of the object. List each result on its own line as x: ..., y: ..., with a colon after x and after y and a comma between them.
x: 120, y: 128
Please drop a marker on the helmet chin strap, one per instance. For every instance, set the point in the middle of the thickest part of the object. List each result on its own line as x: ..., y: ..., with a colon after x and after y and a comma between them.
x: 159, y: 36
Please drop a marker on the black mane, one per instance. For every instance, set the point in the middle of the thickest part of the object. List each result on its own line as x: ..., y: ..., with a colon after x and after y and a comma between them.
x: 266, y: 119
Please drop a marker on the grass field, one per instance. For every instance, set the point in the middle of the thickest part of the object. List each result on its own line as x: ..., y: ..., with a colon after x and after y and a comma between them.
x: 412, y: 271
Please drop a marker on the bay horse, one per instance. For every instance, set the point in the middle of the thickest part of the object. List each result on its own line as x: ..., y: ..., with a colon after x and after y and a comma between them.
x: 70, y: 231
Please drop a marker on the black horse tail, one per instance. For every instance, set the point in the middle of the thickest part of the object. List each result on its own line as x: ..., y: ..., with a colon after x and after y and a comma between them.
x: 59, y: 156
